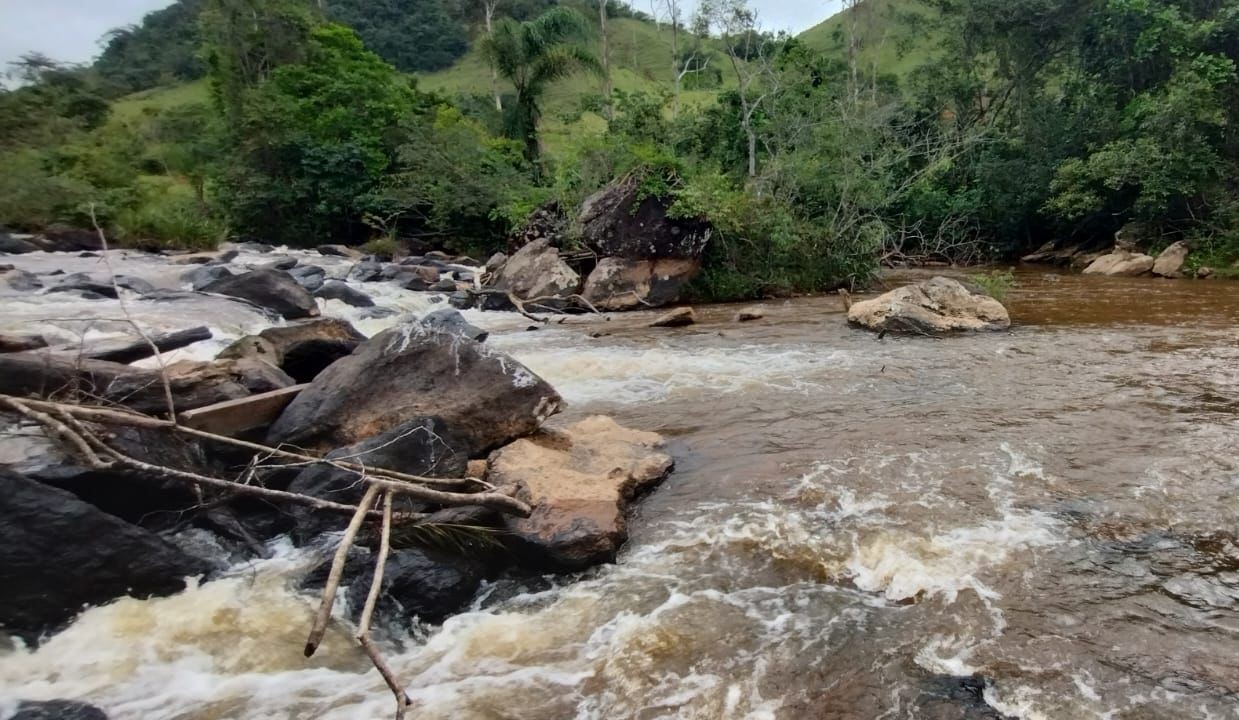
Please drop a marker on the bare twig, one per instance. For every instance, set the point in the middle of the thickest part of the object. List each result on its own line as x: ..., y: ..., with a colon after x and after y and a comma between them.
x: 367, y: 613
x: 337, y: 572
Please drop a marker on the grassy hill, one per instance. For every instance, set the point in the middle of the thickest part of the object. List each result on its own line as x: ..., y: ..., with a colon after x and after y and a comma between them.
x: 896, y: 34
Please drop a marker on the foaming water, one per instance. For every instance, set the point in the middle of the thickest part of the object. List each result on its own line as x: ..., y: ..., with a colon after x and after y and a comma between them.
x: 854, y: 525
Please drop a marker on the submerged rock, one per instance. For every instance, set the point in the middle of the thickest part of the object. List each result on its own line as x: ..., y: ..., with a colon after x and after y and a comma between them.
x: 749, y: 314
x: 580, y: 482
x: 483, y: 397
x: 429, y: 584
x: 1170, y: 262
x: 58, y: 553
x: 22, y: 281
x: 931, y: 307
x: 57, y: 710
x: 270, y: 289
x: 1121, y: 263
x: 680, y: 317
x: 343, y: 251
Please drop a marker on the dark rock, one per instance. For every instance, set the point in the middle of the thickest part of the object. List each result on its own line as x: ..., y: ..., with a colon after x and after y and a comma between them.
x: 420, y: 446
x: 16, y: 246
x: 336, y: 290
x: 412, y: 260
x: 366, y: 272
x: 85, y: 286
x: 482, y: 396
x: 450, y: 320
x: 57, y: 710
x: 19, y: 343
x: 618, y: 222
x: 302, y: 350
x: 134, y: 284
x: 200, y: 277
x: 88, y: 254
x: 462, y: 300
x: 62, y: 238
x: 310, y: 277
x: 58, y: 553
x: 548, y: 222
x: 338, y: 251
x: 464, y: 260
x: 225, y: 257
x: 431, y: 585
x: 444, y: 285
x: 22, y: 281
x: 281, y: 264
x: 271, y: 289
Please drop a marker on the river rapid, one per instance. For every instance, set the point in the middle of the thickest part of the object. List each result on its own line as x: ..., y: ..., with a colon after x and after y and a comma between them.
x: 1034, y: 524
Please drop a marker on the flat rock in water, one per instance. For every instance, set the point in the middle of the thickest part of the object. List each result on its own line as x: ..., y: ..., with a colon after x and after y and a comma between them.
x: 58, y: 553
x: 336, y: 290
x: 343, y: 251
x: 22, y: 281
x: 750, y: 314
x: 57, y: 710
x: 1121, y: 263
x: 680, y: 317
x: 931, y: 307
x: 270, y: 289
x: 483, y: 397
x: 580, y: 482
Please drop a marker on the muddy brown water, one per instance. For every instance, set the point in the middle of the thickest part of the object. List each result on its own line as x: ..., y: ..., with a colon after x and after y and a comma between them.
x: 1039, y: 523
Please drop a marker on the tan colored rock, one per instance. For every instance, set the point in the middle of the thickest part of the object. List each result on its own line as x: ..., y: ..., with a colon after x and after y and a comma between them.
x: 1121, y: 263
x: 679, y: 317
x: 1083, y: 260
x: 536, y: 271
x: 749, y: 314
x: 476, y: 469
x: 1170, y: 263
x: 932, y: 307
x: 580, y: 481
x: 619, y: 284
x: 1204, y: 273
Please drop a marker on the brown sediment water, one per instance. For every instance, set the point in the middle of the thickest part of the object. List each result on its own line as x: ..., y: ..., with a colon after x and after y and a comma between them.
x: 855, y: 526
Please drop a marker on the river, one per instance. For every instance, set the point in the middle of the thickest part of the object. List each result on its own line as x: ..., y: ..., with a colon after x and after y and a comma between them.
x: 1033, y: 524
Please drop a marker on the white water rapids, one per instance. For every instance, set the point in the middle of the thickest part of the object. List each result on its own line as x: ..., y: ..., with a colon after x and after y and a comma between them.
x: 853, y: 526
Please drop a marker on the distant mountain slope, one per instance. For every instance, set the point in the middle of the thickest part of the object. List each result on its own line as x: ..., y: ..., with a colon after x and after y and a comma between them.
x: 898, y: 34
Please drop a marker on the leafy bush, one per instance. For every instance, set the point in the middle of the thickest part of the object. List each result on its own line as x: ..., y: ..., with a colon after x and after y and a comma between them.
x: 387, y: 247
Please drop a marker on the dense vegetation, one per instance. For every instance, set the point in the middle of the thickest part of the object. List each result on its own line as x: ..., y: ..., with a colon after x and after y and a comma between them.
x: 1003, y: 125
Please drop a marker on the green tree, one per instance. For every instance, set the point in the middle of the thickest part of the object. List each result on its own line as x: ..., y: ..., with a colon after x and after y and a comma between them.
x: 532, y: 55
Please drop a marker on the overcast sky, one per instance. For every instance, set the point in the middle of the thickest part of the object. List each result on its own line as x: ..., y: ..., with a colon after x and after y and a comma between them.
x: 69, y: 30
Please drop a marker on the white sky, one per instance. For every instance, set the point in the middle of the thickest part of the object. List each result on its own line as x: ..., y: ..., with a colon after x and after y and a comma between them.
x: 69, y: 30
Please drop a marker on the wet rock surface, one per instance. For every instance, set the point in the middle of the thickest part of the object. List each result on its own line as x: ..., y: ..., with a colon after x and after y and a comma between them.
x: 271, y: 289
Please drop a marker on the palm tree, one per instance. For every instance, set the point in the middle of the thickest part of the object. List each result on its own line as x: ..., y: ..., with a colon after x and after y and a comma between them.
x: 532, y: 55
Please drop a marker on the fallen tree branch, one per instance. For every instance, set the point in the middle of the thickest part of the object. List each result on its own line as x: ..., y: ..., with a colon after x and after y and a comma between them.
x: 522, y: 305
x: 337, y: 572
x: 367, y: 613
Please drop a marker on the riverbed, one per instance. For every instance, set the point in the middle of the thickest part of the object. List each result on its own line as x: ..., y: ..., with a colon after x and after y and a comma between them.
x: 1039, y: 523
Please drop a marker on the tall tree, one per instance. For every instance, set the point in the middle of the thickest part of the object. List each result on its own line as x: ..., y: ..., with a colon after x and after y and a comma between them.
x: 608, y: 107
x: 532, y: 55
x: 749, y: 52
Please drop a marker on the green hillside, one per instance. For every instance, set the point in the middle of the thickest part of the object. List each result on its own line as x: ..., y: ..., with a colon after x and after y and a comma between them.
x: 898, y: 34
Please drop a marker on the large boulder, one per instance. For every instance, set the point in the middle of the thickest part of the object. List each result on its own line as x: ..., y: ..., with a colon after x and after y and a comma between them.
x: 302, y: 349
x: 1170, y: 262
x: 202, y: 276
x: 16, y: 246
x: 483, y: 397
x: 580, y: 482
x: 1121, y: 263
x: 58, y: 554
x: 271, y: 289
x: 345, y: 293
x: 621, y: 221
x: 429, y: 584
x: 537, y: 271
x: 619, y: 284
x: 63, y: 238
x: 932, y: 307
x: 419, y: 446
x: 450, y: 320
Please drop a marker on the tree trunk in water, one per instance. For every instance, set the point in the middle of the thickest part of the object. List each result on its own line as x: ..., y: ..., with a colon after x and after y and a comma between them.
x: 608, y: 108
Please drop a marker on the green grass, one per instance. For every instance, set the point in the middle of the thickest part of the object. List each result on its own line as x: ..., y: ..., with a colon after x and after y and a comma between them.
x: 135, y: 106
x: 897, y: 34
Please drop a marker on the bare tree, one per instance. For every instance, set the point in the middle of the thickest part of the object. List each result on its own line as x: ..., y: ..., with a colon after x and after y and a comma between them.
x: 608, y: 108
x: 488, y: 9
x: 748, y: 50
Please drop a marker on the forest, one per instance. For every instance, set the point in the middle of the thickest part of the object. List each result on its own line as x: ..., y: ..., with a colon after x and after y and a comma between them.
x: 946, y: 131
